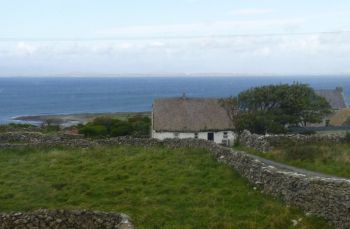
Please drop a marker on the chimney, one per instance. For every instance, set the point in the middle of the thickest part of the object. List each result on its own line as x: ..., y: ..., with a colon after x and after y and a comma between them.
x: 339, y: 88
x: 183, y: 95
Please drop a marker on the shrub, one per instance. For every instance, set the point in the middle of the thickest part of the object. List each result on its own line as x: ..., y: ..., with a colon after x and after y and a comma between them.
x: 93, y: 130
x: 52, y: 128
x: 137, y: 126
x: 140, y: 124
x: 107, y: 122
x: 139, y: 118
x: 121, y: 129
x: 347, y: 137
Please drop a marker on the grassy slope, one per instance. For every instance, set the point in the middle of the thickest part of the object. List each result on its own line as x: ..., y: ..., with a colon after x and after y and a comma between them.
x: 157, y: 187
x: 327, y: 158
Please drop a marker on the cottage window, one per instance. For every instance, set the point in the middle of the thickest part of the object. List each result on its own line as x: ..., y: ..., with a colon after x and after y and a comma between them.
x: 196, y: 135
x: 176, y: 135
x: 225, y: 135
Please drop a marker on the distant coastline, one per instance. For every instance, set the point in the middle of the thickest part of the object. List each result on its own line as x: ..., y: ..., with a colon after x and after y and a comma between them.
x: 32, y: 100
x: 73, y: 119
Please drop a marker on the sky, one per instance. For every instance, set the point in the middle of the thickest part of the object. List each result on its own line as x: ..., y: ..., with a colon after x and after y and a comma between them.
x: 239, y: 37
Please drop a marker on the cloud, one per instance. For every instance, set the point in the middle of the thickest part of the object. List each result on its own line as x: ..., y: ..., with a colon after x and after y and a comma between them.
x: 245, y: 54
x: 250, y: 12
x: 23, y: 48
x: 230, y: 46
x: 193, y: 1
x: 209, y: 28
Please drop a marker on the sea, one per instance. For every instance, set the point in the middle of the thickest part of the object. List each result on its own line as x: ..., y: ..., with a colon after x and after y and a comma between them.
x: 21, y: 96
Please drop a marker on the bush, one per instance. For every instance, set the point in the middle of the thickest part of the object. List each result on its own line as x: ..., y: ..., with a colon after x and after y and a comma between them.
x: 93, y: 130
x: 121, y: 129
x: 137, y: 126
x: 141, y: 126
x: 347, y: 137
x: 106, y: 122
x: 52, y: 128
x: 139, y: 118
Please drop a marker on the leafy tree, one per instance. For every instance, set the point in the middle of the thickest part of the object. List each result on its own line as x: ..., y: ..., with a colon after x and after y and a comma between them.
x: 274, y: 107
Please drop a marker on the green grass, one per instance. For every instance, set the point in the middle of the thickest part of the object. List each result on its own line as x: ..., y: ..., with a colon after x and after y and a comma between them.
x: 157, y: 187
x: 331, y: 132
x: 329, y: 158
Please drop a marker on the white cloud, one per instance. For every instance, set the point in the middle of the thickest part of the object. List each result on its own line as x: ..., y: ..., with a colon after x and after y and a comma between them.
x: 246, y: 54
x: 23, y: 48
x: 210, y: 28
x: 230, y: 46
x: 192, y: 1
x: 250, y: 12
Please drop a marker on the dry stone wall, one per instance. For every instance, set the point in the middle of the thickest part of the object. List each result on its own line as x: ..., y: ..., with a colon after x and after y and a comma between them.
x: 65, y: 219
x: 328, y: 197
x: 265, y: 143
x: 315, y: 193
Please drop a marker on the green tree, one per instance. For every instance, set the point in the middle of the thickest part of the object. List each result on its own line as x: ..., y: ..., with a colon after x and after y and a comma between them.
x: 274, y: 107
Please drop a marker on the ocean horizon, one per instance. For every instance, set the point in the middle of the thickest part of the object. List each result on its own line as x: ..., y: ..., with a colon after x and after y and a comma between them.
x: 21, y: 96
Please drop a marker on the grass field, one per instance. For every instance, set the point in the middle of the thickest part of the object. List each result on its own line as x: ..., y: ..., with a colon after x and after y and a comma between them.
x: 329, y: 158
x: 157, y: 187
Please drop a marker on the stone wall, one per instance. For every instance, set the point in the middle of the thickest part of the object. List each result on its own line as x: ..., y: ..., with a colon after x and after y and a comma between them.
x: 315, y: 193
x: 255, y: 141
x: 65, y: 219
x: 265, y: 143
x: 328, y: 197
x: 11, y: 139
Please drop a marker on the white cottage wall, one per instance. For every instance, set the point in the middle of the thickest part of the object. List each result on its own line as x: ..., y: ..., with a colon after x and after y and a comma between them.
x: 218, y: 136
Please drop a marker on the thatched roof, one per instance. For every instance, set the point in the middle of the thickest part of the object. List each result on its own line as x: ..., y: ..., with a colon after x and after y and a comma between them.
x: 190, y: 115
x: 335, y: 98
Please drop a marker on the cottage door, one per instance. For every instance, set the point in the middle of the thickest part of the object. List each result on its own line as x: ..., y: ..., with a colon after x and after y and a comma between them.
x: 211, y: 136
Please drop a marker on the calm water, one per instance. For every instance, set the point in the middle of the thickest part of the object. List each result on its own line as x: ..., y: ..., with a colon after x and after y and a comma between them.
x: 33, y: 96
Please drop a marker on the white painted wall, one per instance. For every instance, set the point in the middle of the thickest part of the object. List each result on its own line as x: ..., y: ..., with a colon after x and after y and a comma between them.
x: 218, y: 136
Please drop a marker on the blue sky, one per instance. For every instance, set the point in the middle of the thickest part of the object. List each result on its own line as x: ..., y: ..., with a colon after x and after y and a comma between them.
x: 251, y: 37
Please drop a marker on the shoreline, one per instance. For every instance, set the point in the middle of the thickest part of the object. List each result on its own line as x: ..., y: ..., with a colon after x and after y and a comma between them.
x: 74, y: 119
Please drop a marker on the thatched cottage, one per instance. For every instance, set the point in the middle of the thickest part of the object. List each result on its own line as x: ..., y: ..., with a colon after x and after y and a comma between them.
x: 202, y: 118
x: 341, y: 111
x: 335, y: 98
